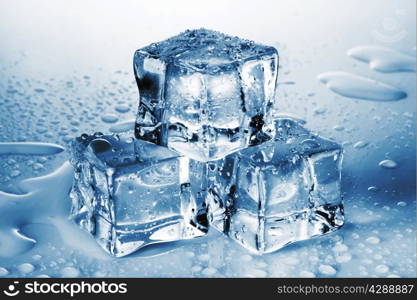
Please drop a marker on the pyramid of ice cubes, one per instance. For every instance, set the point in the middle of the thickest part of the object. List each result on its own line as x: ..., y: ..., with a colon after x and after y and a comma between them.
x: 205, y: 151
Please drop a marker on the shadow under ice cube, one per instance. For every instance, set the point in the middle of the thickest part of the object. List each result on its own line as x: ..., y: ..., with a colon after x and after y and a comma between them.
x: 282, y: 191
x: 129, y: 193
x: 203, y: 93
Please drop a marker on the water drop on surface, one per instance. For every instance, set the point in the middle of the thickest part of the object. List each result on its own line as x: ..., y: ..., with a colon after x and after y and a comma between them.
x: 327, y: 270
x: 109, y: 118
x: 204, y: 257
x: 373, y: 240
x: 36, y: 257
x: 122, y: 108
x: 3, y: 271
x: 381, y: 269
x: 196, y: 269
x: 388, y: 164
x: 15, y: 173
x: 360, y: 145
x: 340, y: 248
x: 307, y: 274
x: 26, y: 268
x: 343, y: 258
x: 209, y: 271
x: 37, y: 166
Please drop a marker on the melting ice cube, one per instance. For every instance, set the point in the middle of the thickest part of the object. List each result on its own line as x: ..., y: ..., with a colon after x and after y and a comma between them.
x: 203, y: 93
x: 282, y: 191
x: 130, y: 193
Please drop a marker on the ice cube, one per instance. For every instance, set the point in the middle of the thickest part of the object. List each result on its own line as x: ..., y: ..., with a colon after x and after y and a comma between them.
x: 203, y: 93
x: 130, y: 193
x: 282, y: 191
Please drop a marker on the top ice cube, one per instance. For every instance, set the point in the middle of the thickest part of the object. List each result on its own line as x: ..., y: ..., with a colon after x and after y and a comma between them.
x: 204, y: 94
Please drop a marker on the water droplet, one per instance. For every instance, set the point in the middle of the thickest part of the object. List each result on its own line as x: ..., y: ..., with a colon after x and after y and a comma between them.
x: 37, y: 166
x: 381, y: 269
x: 109, y: 118
x: 196, y: 269
x: 388, y: 164
x: 26, y: 268
x: 100, y: 145
x: 319, y: 111
x: 373, y: 188
x: 377, y: 256
x: 204, y: 257
x: 122, y: 108
x: 36, y: 257
x: 327, y: 270
x: 3, y: 271
x: 307, y: 274
x: 343, y: 258
x: 373, y: 240
x: 15, y: 173
x: 209, y: 271
x: 360, y: 145
x: 340, y: 248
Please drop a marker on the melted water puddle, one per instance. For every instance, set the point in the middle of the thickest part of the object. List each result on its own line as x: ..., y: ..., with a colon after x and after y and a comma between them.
x: 354, y: 86
x: 383, y: 59
x: 30, y: 148
x: 42, y: 198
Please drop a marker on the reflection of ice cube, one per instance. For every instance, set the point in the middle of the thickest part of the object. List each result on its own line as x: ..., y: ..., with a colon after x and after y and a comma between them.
x: 203, y: 93
x: 130, y: 193
x: 284, y: 190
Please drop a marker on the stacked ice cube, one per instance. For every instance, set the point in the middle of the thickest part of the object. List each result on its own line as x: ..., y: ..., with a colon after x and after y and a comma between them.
x: 206, y: 151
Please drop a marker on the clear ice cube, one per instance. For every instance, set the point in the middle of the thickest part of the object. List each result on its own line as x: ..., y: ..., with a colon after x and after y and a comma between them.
x: 130, y: 193
x: 203, y: 93
x: 282, y: 191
